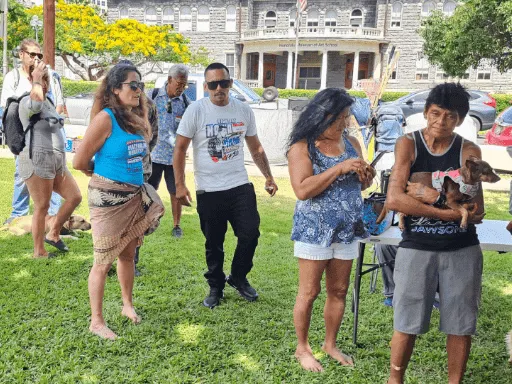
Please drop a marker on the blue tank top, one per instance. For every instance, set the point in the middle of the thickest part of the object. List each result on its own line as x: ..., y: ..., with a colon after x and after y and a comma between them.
x: 120, y: 157
x: 335, y: 215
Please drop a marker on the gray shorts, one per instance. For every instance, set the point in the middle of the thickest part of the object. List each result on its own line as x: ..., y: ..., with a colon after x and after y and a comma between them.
x: 46, y: 165
x: 417, y: 275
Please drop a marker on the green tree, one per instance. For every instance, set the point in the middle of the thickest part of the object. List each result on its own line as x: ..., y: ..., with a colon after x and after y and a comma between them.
x: 479, y: 30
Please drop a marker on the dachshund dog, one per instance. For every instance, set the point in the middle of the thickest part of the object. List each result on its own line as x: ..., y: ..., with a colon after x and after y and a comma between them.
x: 459, y: 186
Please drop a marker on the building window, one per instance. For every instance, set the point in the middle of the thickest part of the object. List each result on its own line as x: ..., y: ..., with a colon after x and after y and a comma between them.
x: 150, y: 16
x: 231, y: 18
x: 396, y: 15
x: 168, y: 16
x: 123, y: 13
x: 270, y: 19
x: 356, y: 18
x: 422, y: 67
x: 449, y: 8
x: 483, y: 73
x: 230, y: 63
x: 203, y: 18
x: 330, y: 19
x: 441, y: 76
x: 185, y: 19
x: 427, y: 8
x: 312, y: 21
x: 310, y: 72
x: 292, y: 17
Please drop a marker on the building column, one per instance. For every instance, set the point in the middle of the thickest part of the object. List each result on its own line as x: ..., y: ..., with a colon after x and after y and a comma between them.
x: 355, y: 70
x: 243, y: 67
x: 289, y: 72
x: 376, y: 66
x: 323, y: 76
x: 260, y: 69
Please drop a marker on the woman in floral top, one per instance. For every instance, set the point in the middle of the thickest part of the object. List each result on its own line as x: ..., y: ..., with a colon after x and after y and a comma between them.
x: 327, y: 175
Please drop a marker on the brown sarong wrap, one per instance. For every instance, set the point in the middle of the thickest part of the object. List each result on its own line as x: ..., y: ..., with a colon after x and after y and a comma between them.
x: 120, y: 213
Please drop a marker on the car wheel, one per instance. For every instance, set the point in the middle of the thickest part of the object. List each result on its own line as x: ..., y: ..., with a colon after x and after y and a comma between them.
x: 270, y: 93
x: 478, y: 123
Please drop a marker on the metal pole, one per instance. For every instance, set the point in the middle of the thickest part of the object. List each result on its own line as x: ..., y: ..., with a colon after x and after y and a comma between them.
x: 4, y: 56
x: 37, y: 37
x: 297, y: 22
x: 49, y: 32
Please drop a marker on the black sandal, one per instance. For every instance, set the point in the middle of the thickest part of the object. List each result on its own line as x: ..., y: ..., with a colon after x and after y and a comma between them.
x: 57, y: 244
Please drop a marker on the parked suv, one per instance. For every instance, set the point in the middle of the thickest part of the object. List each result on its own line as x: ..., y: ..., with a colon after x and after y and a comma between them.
x: 482, y: 107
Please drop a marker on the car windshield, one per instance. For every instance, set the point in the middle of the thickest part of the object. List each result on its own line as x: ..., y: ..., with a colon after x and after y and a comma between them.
x: 507, y: 116
x: 246, y: 90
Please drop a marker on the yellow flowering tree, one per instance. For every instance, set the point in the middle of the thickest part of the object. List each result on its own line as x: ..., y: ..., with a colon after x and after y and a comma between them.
x: 88, y: 44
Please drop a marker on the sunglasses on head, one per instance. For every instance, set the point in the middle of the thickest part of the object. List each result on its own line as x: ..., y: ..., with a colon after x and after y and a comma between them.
x: 212, y: 85
x: 134, y: 85
x: 34, y: 55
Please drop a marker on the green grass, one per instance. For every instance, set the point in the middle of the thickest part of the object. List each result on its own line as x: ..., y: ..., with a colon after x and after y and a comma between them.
x: 44, y: 314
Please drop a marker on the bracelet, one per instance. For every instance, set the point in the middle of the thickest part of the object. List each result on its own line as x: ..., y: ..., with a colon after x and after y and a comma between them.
x: 441, y: 201
x: 37, y: 82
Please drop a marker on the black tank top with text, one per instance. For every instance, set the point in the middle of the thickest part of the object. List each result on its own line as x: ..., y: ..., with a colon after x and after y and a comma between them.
x: 433, y: 234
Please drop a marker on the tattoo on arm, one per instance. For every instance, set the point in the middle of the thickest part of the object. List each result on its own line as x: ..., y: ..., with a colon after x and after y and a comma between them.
x: 261, y: 161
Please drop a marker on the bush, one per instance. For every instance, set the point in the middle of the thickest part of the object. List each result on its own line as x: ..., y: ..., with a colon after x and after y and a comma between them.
x: 502, y: 102
x: 72, y: 88
x: 310, y: 93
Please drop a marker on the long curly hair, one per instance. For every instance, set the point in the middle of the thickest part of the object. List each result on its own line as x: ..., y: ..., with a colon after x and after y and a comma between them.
x: 134, y: 120
x: 319, y: 114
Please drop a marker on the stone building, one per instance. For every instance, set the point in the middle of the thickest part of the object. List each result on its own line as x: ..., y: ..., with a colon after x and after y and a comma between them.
x: 339, y: 41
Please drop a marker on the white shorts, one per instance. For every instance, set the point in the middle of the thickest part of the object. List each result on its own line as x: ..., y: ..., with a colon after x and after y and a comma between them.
x: 339, y: 251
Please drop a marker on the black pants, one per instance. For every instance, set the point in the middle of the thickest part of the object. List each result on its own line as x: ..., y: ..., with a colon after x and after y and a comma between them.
x: 238, y: 207
x: 168, y: 173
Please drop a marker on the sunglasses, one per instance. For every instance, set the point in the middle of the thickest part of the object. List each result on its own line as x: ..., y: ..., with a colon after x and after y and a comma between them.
x: 212, y: 85
x: 33, y: 55
x: 134, y: 85
x: 169, y: 106
x: 55, y: 120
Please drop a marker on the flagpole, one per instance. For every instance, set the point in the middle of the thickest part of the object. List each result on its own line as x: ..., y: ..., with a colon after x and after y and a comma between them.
x: 297, y: 22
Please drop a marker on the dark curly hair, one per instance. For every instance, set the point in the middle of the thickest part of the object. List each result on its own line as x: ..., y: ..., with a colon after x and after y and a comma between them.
x: 450, y: 96
x: 134, y: 120
x: 319, y: 114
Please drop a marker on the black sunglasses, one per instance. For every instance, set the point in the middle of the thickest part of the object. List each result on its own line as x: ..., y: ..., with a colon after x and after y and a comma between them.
x: 169, y: 106
x: 54, y: 120
x: 34, y: 54
x: 134, y: 85
x: 212, y: 85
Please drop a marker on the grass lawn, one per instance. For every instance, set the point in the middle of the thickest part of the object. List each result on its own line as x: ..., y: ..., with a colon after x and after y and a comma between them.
x: 44, y: 313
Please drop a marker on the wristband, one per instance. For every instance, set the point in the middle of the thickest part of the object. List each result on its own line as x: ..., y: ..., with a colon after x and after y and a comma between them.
x: 441, y: 201
x: 37, y: 82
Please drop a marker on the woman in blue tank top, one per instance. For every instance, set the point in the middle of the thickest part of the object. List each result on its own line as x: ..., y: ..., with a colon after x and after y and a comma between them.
x: 327, y: 175
x: 122, y: 207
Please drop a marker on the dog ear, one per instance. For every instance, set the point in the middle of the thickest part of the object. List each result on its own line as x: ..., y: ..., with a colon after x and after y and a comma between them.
x: 471, y: 164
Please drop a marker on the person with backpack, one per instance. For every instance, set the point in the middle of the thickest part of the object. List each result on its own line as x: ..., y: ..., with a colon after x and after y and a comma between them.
x: 15, y: 84
x: 42, y: 161
x: 171, y: 104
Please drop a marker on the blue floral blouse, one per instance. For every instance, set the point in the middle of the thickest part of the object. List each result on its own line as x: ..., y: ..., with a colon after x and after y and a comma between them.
x: 335, y: 215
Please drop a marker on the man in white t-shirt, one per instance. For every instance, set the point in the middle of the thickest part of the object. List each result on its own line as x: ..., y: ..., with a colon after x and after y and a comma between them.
x: 16, y: 83
x: 217, y: 127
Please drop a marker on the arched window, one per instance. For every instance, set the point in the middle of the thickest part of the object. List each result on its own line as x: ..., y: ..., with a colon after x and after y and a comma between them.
x: 203, y: 18
x: 123, y: 13
x: 356, y: 18
x: 427, y: 8
x: 185, y: 19
x: 449, y: 8
x: 168, y: 16
x: 330, y: 19
x: 150, y: 16
x: 396, y: 15
x: 231, y: 18
x: 270, y: 19
x: 312, y: 20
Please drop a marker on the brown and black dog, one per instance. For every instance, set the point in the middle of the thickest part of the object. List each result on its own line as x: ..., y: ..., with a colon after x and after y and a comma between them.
x: 471, y: 173
x: 23, y: 225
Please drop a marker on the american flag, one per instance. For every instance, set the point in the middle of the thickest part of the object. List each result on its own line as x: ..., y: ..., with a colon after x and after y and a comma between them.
x: 302, y: 4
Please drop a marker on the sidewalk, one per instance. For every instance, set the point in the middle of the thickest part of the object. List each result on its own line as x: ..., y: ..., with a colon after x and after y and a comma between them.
x: 281, y: 171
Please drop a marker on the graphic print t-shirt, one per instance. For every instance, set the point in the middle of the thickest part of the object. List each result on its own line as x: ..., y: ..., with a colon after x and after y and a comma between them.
x: 218, y: 135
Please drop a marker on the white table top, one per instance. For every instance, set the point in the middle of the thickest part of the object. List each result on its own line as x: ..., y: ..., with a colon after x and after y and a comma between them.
x: 492, y: 234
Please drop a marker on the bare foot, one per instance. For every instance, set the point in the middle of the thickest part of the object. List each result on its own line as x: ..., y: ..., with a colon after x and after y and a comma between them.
x: 103, y: 331
x: 130, y: 313
x: 337, y: 355
x: 308, y: 361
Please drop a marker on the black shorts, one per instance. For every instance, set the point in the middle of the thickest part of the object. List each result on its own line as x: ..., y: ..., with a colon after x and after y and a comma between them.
x: 156, y: 177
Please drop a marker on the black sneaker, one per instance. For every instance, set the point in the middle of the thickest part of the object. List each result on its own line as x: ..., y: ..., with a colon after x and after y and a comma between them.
x: 213, y: 298
x: 177, y: 232
x: 244, y: 288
